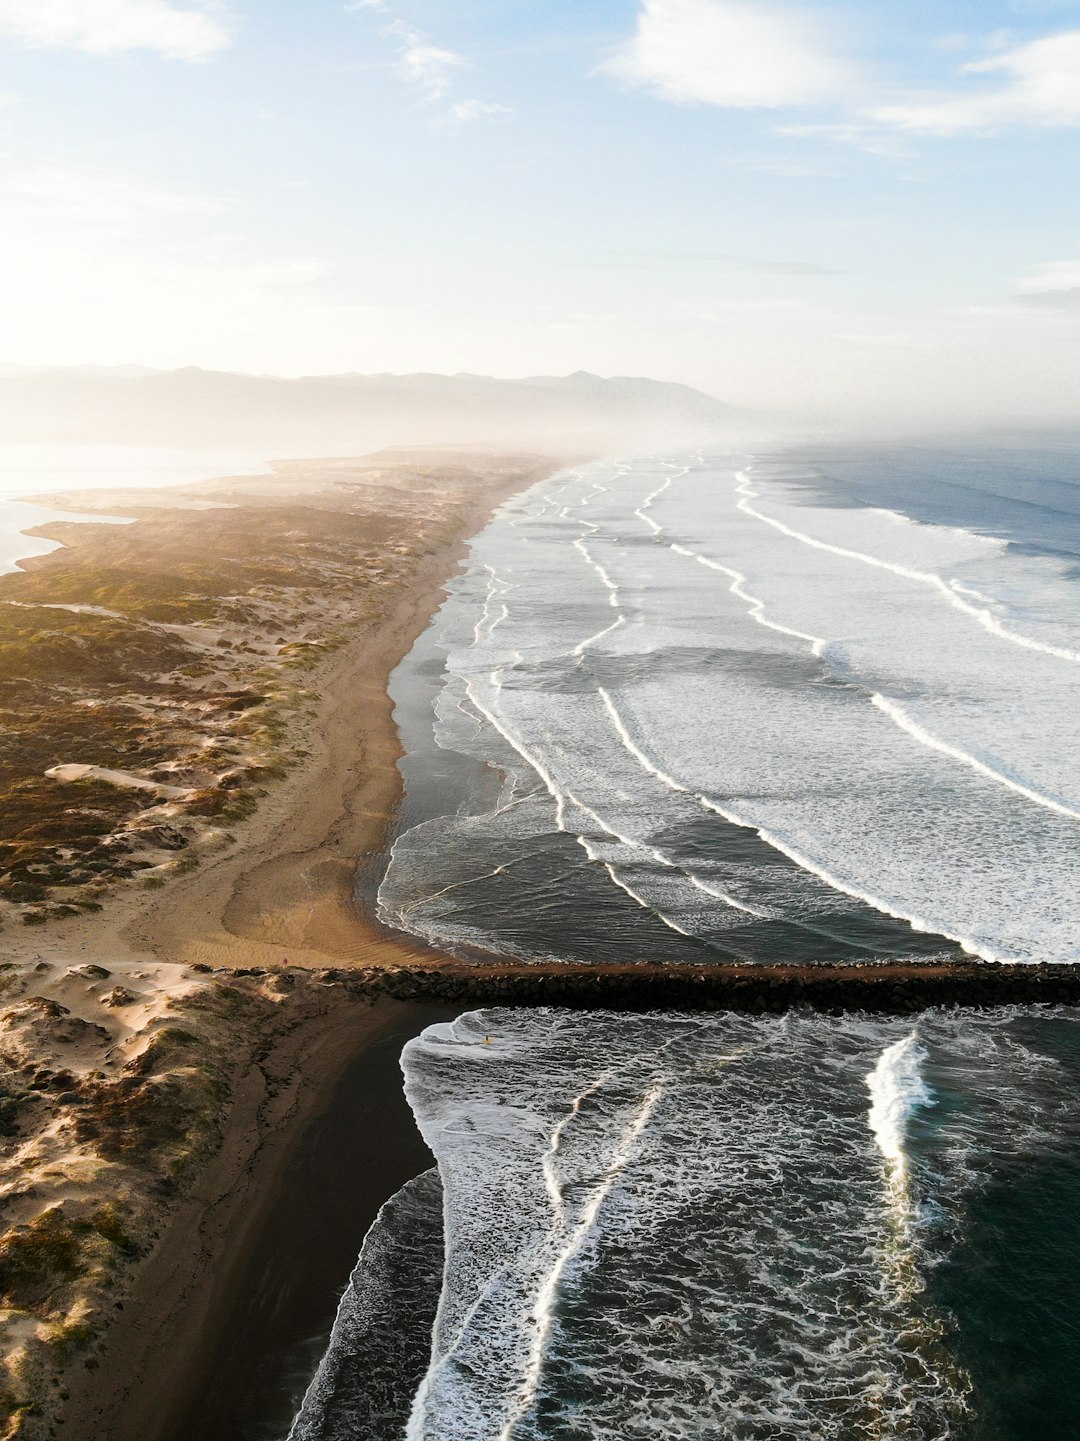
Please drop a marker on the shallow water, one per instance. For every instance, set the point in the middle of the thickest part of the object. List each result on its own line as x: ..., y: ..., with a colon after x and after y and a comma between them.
x: 49, y: 469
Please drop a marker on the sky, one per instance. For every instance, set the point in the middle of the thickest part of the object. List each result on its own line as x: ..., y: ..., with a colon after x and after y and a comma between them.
x: 837, y: 207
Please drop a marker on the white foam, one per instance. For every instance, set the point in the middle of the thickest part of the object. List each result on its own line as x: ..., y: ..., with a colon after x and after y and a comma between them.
x: 896, y: 713
x: 756, y: 607
x: 984, y: 618
x: 543, y: 1311
x: 705, y: 665
x: 897, y: 1090
x: 675, y: 1226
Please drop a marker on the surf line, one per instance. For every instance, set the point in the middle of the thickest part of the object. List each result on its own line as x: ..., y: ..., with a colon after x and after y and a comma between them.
x: 801, y: 859
x: 819, y: 647
x: 650, y: 766
x: 612, y: 586
x: 985, y: 618
x: 553, y: 499
x: 756, y: 607
x: 852, y: 888
x: 672, y: 784
x: 897, y: 1089
x: 486, y: 621
x: 563, y: 799
x: 653, y: 769
x: 900, y: 718
x: 655, y: 495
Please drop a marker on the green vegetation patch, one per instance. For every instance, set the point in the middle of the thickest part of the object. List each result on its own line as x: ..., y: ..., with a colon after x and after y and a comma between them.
x: 121, y: 691
x: 40, y: 1259
x: 52, y: 835
x: 163, y: 1114
x: 111, y: 734
x: 61, y: 648
x: 36, y: 1259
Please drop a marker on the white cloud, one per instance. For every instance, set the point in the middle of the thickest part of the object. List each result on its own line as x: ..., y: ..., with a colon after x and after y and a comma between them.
x: 426, y: 64
x: 745, y: 54
x: 1042, y: 87
x: 431, y: 68
x: 108, y: 27
x: 731, y: 53
x: 857, y: 134
x: 1055, y: 275
x: 469, y: 110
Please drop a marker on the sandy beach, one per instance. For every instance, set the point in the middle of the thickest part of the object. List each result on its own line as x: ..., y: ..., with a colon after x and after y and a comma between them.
x: 252, y: 1072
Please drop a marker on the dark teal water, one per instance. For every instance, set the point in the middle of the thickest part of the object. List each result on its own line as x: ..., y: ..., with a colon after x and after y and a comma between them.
x: 701, y: 1228
x: 1012, y: 1277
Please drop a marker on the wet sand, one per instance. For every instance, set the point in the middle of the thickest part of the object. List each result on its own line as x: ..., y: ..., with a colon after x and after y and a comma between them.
x: 230, y: 1315
x: 284, y: 1290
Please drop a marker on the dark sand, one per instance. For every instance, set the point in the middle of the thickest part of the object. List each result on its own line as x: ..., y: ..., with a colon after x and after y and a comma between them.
x: 267, y: 1339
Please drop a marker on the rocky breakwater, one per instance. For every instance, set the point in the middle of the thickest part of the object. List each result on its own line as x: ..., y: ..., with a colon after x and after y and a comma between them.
x: 885, y: 988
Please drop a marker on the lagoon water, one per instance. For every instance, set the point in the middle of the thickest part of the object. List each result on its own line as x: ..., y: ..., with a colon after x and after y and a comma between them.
x: 49, y: 469
x: 771, y: 707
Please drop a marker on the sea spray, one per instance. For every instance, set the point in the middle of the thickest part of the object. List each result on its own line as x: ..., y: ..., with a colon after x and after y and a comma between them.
x: 897, y: 1090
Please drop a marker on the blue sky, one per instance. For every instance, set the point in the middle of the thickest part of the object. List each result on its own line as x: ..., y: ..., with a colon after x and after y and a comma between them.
x: 869, y: 206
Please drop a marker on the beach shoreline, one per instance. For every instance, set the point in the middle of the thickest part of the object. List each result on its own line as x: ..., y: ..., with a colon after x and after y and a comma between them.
x: 283, y: 894
x: 225, y: 1321
x: 274, y: 910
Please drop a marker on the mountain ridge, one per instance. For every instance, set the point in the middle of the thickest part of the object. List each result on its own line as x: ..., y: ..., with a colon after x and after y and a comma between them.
x: 195, y: 406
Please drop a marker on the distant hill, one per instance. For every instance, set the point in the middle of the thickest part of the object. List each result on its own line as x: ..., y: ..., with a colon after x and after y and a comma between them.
x: 126, y: 405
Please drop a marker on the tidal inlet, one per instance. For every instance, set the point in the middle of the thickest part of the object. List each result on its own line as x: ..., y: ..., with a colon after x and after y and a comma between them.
x: 539, y: 666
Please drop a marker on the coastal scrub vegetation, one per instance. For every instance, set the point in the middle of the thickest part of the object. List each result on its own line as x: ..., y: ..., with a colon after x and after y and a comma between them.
x: 141, y: 1129
x: 152, y: 674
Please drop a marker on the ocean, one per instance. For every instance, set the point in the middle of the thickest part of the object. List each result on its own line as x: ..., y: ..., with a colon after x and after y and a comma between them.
x: 806, y: 706
x: 754, y: 709
x: 723, y: 1227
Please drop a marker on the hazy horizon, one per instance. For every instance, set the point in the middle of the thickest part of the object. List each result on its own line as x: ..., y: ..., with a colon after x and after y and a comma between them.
x: 791, y: 207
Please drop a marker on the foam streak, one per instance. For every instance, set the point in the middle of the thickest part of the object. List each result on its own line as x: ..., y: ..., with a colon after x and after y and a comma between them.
x: 985, y: 618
